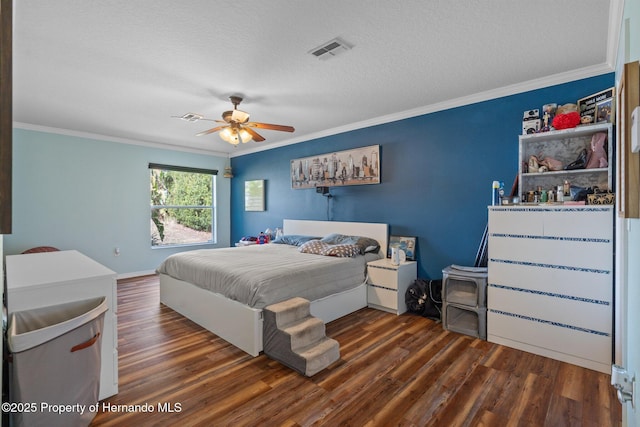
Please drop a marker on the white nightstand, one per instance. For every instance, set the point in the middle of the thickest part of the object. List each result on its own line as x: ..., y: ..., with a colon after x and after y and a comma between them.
x: 388, y: 284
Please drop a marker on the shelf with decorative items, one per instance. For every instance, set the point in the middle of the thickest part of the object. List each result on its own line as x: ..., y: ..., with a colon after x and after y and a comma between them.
x: 580, y: 157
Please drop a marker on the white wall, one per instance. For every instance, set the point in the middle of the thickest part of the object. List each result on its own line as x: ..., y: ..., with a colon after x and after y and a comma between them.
x: 633, y: 319
x: 628, y: 238
x: 1, y: 299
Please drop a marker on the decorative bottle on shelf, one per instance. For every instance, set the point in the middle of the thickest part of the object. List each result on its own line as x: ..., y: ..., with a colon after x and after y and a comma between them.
x: 560, y: 194
x: 536, y: 195
x: 495, y: 194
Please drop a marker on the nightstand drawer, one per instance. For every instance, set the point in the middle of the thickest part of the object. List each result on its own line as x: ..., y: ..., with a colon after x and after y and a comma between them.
x: 385, y: 277
x: 382, y: 297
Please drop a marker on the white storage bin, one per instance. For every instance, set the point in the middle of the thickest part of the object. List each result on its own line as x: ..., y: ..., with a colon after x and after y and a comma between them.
x: 56, y: 361
x: 466, y: 320
x: 464, y: 287
x: 464, y: 300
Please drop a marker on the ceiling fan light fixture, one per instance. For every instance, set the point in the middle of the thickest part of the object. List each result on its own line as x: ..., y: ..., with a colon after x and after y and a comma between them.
x: 227, y: 135
x: 239, y: 116
x: 233, y: 136
x: 245, y: 136
x: 235, y: 126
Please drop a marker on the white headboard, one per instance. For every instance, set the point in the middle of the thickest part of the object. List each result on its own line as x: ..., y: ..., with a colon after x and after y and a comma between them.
x: 376, y: 231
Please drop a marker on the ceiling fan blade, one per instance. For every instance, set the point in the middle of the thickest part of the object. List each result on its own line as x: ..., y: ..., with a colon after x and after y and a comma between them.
x: 212, y: 130
x: 256, y: 136
x: 193, y: 117
x: 282, y: 128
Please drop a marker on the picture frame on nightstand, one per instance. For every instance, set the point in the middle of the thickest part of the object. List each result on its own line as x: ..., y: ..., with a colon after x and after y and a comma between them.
x: 407, y: 244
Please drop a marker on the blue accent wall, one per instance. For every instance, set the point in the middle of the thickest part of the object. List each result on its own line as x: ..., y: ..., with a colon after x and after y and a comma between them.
x: 436, y: 175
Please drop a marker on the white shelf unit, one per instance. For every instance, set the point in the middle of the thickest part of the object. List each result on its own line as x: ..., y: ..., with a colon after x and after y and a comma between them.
x: 565, y: 146
x: 52, y: 278
x: 464, y: 300
x: 550, y: 286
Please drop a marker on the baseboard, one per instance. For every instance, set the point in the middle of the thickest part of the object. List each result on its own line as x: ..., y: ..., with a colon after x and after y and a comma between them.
x: 135, y: 274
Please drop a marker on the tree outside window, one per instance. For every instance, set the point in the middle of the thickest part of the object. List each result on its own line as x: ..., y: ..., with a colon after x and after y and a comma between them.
x: 182, y: 205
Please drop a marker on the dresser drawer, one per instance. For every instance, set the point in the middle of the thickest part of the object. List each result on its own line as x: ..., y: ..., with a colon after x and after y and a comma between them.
x: 382, y: 297
x: 384, y: 277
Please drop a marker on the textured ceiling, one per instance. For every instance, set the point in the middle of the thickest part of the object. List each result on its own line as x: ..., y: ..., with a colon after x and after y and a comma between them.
x: 122, y: 68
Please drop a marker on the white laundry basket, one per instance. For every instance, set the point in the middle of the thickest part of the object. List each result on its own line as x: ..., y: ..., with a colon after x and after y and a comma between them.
x: 55, y: 369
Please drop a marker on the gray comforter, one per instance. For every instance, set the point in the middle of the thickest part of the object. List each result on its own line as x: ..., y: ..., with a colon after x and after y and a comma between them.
x: 260, y: 275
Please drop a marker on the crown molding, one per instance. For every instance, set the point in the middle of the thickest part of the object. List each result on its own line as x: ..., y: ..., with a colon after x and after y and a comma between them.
x: 446, y: 105
x: 98, y: 137
x: 441, y: 106
x: 616, y: 16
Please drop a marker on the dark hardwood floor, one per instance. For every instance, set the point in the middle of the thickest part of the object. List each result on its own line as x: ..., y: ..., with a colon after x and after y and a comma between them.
x: 393, y: 371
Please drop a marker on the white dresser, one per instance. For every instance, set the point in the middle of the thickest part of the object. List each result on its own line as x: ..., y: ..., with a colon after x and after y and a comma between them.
x: 550, y: 282
x: 51, y: 278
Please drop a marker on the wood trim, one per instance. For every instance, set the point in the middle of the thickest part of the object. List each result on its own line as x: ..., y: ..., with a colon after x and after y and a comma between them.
x: 628, y: 188
x: 6, y: 114
x: 620, y: 183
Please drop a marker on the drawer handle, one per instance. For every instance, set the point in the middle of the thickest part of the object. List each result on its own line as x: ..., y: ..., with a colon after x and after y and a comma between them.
x: 85, y: 344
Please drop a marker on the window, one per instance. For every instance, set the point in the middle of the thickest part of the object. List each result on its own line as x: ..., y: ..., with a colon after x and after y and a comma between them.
x: 182, y: 205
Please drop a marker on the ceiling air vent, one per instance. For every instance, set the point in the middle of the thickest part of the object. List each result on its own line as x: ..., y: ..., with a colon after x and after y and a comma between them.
x: 330, y: 49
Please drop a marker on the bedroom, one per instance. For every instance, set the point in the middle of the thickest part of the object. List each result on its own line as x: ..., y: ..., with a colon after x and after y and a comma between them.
x: 447, y: 216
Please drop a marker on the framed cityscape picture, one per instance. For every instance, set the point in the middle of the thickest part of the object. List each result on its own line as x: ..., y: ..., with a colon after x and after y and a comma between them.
x: 357, y: 166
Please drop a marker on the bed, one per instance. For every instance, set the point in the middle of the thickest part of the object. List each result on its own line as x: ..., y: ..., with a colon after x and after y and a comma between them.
x: 238, y: 318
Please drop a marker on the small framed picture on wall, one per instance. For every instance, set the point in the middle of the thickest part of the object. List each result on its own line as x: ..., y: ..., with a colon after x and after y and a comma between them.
x: 407, y: 244
x: 254, y: 195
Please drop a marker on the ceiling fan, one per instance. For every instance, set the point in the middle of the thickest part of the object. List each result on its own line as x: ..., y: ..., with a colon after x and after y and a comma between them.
x: 237, y: 127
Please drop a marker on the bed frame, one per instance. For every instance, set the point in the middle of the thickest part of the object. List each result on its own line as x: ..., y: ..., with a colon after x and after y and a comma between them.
x: 240, y: 324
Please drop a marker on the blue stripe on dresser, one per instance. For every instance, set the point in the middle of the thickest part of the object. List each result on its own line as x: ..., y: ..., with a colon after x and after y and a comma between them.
x: 549, y: 322
x: 554, y: 266
x: 550, y: 294
x: 557, y: 238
